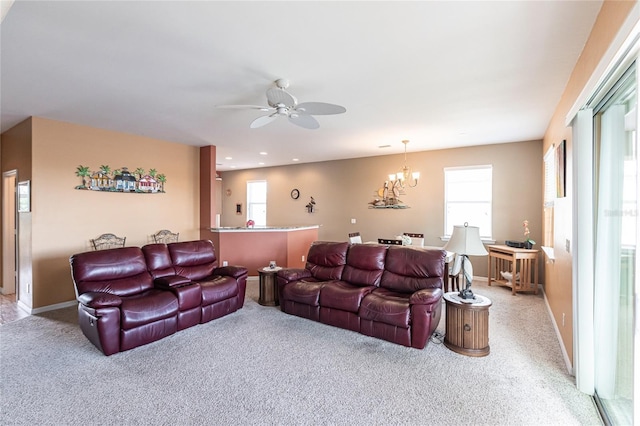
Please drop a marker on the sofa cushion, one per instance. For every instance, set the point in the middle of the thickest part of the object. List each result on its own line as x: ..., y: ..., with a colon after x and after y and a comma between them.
x: 389, y: 307
x: 365, y: 263
x: 408, y: 269
x: 304, y: 291
x: 218, y: 289
x: 343, y: 295
x: 158, y: 260
x: 326, y: 260
x: 119, y: 271
x: 195, y: 260
x: 150, y: 306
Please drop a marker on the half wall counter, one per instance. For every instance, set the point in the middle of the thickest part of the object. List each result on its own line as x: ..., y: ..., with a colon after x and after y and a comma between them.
x: 255, y: 247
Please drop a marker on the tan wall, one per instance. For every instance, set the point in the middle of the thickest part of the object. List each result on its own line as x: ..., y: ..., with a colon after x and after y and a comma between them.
x: 342, y: 190
x: 65, y: 219
x: 558, y: 275
x: 16, y: 150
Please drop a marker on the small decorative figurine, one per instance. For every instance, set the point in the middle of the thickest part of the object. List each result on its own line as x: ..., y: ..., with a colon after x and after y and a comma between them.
x: 310, y: 205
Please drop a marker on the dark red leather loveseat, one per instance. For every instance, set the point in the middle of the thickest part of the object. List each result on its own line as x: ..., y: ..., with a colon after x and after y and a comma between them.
x: 132, y: 296
x: 389, y: 292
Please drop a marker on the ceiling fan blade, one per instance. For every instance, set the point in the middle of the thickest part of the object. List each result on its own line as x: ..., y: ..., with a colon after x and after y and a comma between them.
x: 263, y: 121
x: 320, y: 108
x: 261, y: 108
x: 304, y: 120
x: 277, y: 96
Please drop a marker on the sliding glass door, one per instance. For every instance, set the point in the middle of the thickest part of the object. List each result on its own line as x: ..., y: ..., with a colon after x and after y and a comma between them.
x: 616, y: 239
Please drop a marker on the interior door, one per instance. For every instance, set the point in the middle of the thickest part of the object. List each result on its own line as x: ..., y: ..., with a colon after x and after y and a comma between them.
x: 9, y: 275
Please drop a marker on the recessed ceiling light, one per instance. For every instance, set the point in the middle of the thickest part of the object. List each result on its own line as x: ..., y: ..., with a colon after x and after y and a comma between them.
x: 228, y: 158
x: 263, y: 153
x: 295, y: 159
x: 384, y: 146
x: 261, y: 163
x: 233, y: 167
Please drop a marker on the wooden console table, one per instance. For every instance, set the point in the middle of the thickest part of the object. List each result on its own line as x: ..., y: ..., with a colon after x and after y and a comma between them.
x: 522, y: 264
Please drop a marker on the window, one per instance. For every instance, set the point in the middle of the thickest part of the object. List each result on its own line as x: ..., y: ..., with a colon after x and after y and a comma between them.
x: 257, y: 202
x: 467, y: 198
x: 549, y: 177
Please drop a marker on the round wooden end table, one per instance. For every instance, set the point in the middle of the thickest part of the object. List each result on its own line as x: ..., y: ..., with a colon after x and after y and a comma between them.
x: 268, y: 286
x: 467, y: 324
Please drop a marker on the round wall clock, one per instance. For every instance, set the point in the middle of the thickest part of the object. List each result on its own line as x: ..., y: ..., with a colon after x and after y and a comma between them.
x: 295, y: 194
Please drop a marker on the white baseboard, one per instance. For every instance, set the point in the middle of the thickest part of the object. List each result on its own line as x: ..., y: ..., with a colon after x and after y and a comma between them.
x: 34, y: 311
x: 565, y: 355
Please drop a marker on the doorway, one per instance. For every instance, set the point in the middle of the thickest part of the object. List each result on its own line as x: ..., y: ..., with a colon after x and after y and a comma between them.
x: 9, y: 270
x: 616, y: 238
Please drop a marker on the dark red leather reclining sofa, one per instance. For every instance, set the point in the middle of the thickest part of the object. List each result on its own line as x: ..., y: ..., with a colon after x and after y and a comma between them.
x: 389, y: 292
x: 132, y: 296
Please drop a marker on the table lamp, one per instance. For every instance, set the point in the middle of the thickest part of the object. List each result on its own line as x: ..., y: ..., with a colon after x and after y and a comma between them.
x: 465, y: 241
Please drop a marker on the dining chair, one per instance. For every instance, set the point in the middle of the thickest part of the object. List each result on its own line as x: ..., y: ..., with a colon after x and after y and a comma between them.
x: 416, y: 239
x: 107, y: 241
x: 165, y: 236
x: 355, y: 238
x: 389, y: 241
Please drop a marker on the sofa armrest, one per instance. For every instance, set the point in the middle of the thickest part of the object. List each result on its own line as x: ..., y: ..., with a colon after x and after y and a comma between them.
x: 293, y: 274
x: 171, y: 281
x: 426, y: 296
x: 96, y: 299
x: 231, y: 271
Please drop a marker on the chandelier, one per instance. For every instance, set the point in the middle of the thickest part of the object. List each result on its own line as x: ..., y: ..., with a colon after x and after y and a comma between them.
x: 405, y: 177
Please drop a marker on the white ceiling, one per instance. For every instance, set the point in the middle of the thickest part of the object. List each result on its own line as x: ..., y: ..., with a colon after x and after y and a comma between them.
x: 439, y: 73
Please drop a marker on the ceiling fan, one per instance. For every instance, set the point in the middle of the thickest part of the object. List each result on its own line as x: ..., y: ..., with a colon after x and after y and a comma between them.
x: 282, y: 103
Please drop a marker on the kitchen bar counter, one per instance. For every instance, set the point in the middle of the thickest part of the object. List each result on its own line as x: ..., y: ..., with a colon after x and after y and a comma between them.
x: 255, y: 247
x: 262, y: 228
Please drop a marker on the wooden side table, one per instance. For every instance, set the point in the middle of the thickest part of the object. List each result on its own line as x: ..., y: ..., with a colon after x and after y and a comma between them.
x: 467, y: 325
x: 268, y: 286
x: 522, y: 264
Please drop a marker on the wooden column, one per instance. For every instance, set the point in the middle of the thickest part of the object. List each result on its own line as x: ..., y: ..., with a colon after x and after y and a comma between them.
x: 207, y: 190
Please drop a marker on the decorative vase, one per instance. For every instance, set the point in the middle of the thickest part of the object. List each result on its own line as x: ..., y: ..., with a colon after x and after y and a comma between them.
x: 528, y: 245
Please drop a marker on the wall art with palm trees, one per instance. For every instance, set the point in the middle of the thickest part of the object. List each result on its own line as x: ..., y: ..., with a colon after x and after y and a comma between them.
x: 121, y: 180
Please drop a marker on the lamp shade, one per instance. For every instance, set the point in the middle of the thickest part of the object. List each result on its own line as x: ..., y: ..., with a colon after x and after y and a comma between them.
x: 466, y: 240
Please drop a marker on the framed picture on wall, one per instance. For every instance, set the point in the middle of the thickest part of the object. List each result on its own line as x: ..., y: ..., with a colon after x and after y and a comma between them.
x: 561, y: 158
x: 24, y: 196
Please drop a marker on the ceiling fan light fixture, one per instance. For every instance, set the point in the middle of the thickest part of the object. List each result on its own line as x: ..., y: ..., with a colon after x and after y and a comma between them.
x: 282, y: 83
x: 282, y: 103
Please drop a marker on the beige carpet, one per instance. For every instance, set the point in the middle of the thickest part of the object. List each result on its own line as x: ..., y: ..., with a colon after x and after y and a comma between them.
x: 261, y: 366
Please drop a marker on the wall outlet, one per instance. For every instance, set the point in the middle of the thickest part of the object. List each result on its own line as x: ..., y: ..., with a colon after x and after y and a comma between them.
x: 563, y: 319
x: 303, y: 257
x: 225, y: 263
x: 353, y: 221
